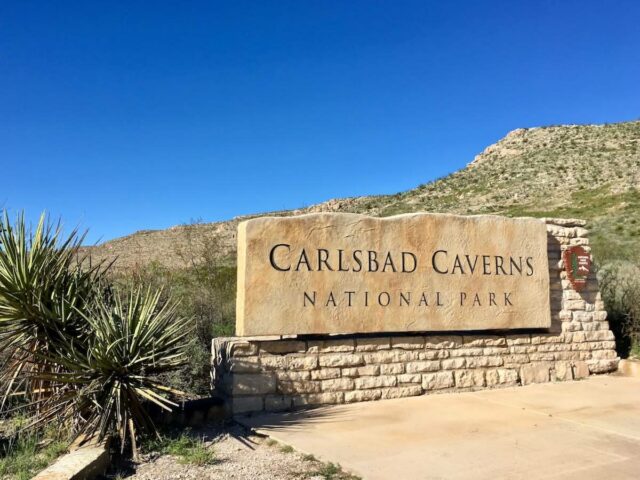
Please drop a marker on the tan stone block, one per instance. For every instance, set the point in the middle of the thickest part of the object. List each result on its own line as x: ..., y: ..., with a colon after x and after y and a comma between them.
x: 243, y: 349
x: 599, y: 335
x: 604, y: 354
x: 246, y: 404
x: 492, y: 378
x: 454, y: 363
x: 410, y: 378
x: 576, y: 337
x: 408, y: 343
x: 537, y: 372
x: 603, y: 365
x: 599, y: 315
x: 306, y: 362
x: 443, y: 341
x: 571, y: 294
x: 391, y: 356
x: 341, y: 360
x: 573, y: 304
x: 467, y: 352
x: 325, y: 373
x: 376, y: 382
x: 253, y: 383
x: 283, y: 346
x: 372, y: 344
x: 571, y: 326
x: 518, y: 339
x: 244, y: 364
x: 545, y: 338
x: 565, y: 315
x: 271, y: 300
x: 337, y: 384
x: 277, y: 403
x: 469, y: 378
x: 580, y: 370
x: 476, y: 362
x: 437, y: 381
x: 391, y: 368
x: 558, y: 347
x: 351, y: 372
x: 273, y: 362
x: 484, y: 341
x: 332, y: 346
x: 419, y: 367
x: 403, y: 391
x: 566, y: 356
x: 595, y: 326
x: 329, y: 398
x: 516, y: 358
x: 563, y: 371
x: 294, y: 387
x: 433, y: 355
x: 488, y: 351
x: 542, y: 357
x: 579, y: 241
x: 582, y: 316
x: 507, y: 376
x: 368, y: 370
x: 362, y: 395
x: 292, y: 376
x: 523, y: 349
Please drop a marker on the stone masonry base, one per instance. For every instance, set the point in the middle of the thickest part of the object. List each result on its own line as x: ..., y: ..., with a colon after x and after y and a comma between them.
x: 281, y: 374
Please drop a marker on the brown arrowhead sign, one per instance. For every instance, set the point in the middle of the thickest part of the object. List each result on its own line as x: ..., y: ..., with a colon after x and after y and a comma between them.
x: 577, y: 263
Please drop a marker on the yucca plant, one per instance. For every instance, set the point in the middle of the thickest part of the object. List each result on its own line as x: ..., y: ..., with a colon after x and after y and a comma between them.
x: 133, y: 339
x: 74, y: 350
x: 42, y: 290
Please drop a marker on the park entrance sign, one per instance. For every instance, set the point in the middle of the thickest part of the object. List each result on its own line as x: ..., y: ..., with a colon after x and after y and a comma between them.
x: 333, y: 273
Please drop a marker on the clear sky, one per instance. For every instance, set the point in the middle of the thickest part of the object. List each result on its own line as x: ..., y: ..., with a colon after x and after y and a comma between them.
x: 121, y: 116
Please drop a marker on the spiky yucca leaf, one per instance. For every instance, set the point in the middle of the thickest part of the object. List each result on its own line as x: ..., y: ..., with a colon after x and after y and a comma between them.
x: 131, y: 341
x: 42, y: 289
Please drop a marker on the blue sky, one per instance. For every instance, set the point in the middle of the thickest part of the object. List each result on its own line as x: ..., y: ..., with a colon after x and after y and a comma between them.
x: 121, y: 116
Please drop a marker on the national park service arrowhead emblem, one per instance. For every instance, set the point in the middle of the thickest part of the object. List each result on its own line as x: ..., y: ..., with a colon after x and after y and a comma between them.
x: 577, y: 263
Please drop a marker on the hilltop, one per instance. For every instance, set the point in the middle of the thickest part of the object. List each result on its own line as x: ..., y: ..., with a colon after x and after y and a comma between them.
x: 586, y: 171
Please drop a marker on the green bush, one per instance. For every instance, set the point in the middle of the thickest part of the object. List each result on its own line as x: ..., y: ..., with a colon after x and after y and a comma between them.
x: 206, y: 289
x: 78, y: 351
x: 620, y: 287
x: 42, y: 292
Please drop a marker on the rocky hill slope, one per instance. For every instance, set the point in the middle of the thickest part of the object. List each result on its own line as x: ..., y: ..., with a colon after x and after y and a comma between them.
x: 585, y: 171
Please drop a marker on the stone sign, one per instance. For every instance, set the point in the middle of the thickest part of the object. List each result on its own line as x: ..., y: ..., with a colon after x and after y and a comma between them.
x: 332, y: 273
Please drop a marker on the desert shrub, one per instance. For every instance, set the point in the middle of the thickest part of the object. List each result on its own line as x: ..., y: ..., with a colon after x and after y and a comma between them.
x: 42, y: 292
x: 620, y: 287
x: 80, y: 352
x: 206, y: 289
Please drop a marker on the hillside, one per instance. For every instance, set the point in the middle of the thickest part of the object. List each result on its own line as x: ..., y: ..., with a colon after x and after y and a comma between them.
x: 590, y: 172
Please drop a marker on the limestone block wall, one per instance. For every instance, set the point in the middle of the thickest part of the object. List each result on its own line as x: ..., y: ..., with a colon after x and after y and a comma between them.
x: 265, y: 374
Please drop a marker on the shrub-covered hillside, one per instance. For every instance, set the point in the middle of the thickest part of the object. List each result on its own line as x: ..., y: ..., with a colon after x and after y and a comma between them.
x: 591, y: 172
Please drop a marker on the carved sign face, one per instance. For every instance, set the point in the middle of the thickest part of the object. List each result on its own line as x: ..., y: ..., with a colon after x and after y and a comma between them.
x: 577, y: 263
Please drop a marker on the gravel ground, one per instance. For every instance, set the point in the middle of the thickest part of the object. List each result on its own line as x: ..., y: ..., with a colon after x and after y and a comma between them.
x: 238, y: 455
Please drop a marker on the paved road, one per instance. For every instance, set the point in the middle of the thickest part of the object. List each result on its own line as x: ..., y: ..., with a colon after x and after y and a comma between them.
x: 574, y: 430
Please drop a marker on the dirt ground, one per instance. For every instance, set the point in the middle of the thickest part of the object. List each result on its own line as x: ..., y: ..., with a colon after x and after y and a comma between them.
x: 237, y: 454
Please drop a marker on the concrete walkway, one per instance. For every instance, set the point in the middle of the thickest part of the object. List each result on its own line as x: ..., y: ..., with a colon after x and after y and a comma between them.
x: 576, y: 430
